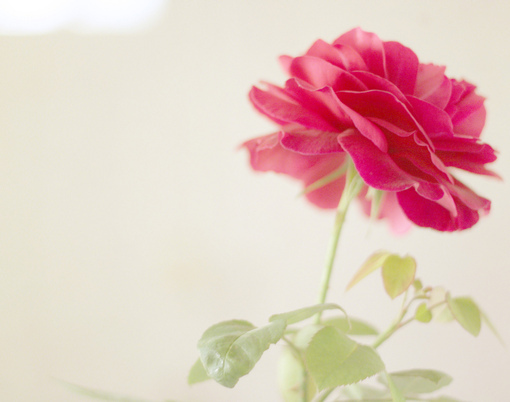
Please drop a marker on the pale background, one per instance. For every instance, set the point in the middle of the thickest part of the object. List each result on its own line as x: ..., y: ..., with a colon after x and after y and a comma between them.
x: 130, y: 222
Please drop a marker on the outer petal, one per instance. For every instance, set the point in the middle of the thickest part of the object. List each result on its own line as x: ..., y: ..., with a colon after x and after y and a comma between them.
x: 432, y: 85
x: 401, y: 66
x: 434, y: 121
x: 368, y: 45
x: 322, y: 101
x: 375, y: 167
x: 424, y: 212
x: 341, y: 56
x: 319, y: 73
x: 283, y: 111
x: 310, y: 142
x: 466, y: 109
x: 266, y: 154
x: 373, y: 81
x: 470, y: 156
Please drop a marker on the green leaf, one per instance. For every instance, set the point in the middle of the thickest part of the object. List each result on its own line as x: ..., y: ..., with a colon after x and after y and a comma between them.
x: 303, y: 337
x: 438, y: 306
x: 197, y: 373
x: 362, y: 392
x: 398, y: 274
x: 493, y: 329
x: 417, y: 285
x: 396, y: 394
x: 302, y: 314
x: 422, y: 313
x: 373, y: 262
x: 412, y: 382
x: 231, y: 349
x: 358, y: 327
x: 333, y: 359
x: 291, y: 376
x: 467, y: 314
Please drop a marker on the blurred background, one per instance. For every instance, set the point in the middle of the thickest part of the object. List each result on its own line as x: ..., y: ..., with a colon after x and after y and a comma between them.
x: 130, y: 222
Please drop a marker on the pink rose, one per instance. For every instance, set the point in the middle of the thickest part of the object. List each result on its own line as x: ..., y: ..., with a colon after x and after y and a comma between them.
x: 403, y: 123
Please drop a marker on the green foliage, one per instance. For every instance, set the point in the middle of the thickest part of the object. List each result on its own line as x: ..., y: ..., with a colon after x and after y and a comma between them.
x: 422, y: 313
x: 396, y: 393
x: 437, y: 305
x: 373, y: 262
x: 467, y: 314
x: 398, y: 274
x: 292, y: 376
x: 293, y: 317
x: 231, y: 349
x: 197, y: 373
x: 357, y: 327
x: 411, y: 382
x: 333, y: 359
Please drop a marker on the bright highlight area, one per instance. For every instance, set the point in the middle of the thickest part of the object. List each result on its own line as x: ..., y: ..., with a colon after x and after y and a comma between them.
x: 22, y: 17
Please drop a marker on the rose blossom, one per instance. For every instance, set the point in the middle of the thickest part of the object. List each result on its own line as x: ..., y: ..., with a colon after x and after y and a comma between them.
x: 404, y: 125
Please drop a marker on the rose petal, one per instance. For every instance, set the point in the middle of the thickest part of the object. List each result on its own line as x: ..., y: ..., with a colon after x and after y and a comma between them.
x: 401, y: 66
x: 426, y: 213
x: 469, y: 157
x: 379, y: 104
x: 320, y: 73
x: 466, y: 109
x: 311, y: 142
x: 373, y: 81
x: 283, y: 112
x: 432, y: 85
x: 322, y: 101
x: 266, y: 154
x: 368, y: 45
x: 434, y: 121
x: 338, y: 55
x: 375, y: 167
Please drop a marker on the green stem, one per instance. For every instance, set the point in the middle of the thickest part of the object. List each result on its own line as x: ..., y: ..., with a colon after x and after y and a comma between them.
x: 398, y: 323
x: 353, y: 184
x: 304, y: 383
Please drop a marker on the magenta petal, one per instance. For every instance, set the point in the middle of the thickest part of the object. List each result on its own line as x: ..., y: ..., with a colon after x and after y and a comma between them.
x: 432, y: 85
x: 401, y: 66
x: 311, y: 142
x: 426, y: 213
x: 470, y: 160
x: 379, y: 104
x: 368, y: 45
x: 283, y: 112
x: 367, y: 129
x: 375, y: 167
x: 320, y: 73
x: 373, y: 81
x: 433, y: 120
x: 468, y: 197
x: 322, y: 101
x: 340, y: 56
x: 466, y: 109
x: 472, y: 124
x: 266, y: 154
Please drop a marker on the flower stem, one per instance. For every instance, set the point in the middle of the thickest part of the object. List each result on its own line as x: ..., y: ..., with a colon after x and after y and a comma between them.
x: 353, y: 184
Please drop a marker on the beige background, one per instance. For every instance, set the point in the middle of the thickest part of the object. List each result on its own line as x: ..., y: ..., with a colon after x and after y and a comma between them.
x: 130, y: 222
